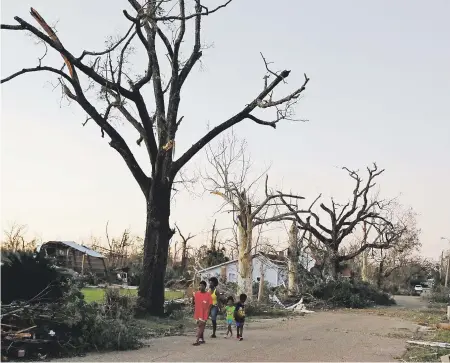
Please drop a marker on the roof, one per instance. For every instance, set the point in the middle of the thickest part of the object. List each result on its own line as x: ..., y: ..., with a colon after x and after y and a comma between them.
x: 268, y: 257
x: 78, y: 247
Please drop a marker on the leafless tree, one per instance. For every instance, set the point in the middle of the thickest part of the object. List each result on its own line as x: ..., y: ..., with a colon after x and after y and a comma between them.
x: 229, y: 179
x: 118, y: 250
x: 184, y: 249
x: 14, y: 238
x: 344, y: 219
x: 388, y: 261
x: 153, y: 25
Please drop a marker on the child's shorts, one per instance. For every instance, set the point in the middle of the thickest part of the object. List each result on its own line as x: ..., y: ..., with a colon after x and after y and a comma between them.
x: 230, y: 321
x: 239, y: 323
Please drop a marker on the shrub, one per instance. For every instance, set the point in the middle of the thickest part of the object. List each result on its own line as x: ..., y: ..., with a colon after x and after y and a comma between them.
x: 255, y: 308
x: 357, y: 294
x: 26, y: 276
x: 440, y: 294
x: 112, y: 319
x: 74, y: 325
x: 266, y: 290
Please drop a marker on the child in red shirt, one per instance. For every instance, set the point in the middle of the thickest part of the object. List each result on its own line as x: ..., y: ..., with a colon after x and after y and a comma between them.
x: 202, y: 304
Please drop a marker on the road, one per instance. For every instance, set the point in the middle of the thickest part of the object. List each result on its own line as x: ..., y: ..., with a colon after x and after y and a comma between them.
x: 411, y: 302
x: 322, y: 336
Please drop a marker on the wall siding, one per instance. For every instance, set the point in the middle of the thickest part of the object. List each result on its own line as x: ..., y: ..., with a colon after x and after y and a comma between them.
x: 271, y: 272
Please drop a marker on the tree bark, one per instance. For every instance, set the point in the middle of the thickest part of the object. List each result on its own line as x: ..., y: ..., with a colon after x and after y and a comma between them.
x: 245, y: 266
x: 184, y: 257
x: 364, y: 276
x: 364, y: 254
x: 156, y: 248
x: 261, y: 283
x: 331, y: 265
x: 293, y: 259
x: 380, y: 274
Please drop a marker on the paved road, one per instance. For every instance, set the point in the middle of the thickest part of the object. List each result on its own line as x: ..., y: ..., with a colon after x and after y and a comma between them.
x: 411, y: 302
x: 323, y: 336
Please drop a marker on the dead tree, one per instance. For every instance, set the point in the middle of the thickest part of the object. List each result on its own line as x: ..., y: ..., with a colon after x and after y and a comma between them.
x: 388, y: 261
x: 344, y: 219
x: 184, y: 250
x: 14, y: 239
x: 293, y: 258
x: 230, y: 166
x: 118, y: 250
x: 160, y: 29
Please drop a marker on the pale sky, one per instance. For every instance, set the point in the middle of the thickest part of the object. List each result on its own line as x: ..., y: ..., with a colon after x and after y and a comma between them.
x: 379, y: 89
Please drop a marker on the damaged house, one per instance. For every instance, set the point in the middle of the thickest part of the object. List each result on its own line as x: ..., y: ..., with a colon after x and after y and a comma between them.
x: 74, y: 256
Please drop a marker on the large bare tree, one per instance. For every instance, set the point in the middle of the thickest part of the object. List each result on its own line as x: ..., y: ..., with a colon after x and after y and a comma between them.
x: 160, y: 30
x: 343, y: 220
x: 229, y: 178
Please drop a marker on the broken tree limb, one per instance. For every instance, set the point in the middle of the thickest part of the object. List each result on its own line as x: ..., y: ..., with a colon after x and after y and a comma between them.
x: 429, y: 344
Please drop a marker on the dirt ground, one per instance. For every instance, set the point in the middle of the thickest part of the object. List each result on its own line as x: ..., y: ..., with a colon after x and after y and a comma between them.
x: 322, y: 336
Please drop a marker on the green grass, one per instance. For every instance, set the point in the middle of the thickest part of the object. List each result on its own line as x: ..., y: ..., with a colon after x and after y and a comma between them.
x: 97, y: 295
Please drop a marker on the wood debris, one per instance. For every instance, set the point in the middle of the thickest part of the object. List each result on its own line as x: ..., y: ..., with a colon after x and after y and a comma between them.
x: 429, y: 344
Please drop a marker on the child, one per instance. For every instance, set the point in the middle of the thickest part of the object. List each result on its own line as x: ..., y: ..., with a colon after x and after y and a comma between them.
x: 229, y: 309
x: 239, y: 316
x: 202, y: 302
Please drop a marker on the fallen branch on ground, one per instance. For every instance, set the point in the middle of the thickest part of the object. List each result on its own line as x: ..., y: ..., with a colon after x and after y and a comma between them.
x: 429, y: 344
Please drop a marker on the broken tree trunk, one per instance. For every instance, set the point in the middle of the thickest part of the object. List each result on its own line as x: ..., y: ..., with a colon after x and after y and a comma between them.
x: 364, y: 255
x: 245, y: 268
x: 261, y: 283
x: 293, y: 259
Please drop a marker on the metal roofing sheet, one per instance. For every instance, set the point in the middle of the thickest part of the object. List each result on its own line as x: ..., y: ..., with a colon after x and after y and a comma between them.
x: 80, y: 248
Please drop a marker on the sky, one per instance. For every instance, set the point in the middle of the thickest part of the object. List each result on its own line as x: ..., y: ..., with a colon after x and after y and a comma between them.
x: 379, y: 88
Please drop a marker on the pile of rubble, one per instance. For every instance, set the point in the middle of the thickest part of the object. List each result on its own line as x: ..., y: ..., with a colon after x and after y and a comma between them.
x: 24, y: 334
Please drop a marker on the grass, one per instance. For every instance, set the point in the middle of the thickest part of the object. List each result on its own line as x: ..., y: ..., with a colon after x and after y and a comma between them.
x: 430, y: 317
x: 424, y: 354
x: 426, y: 317
x: 97, y: 295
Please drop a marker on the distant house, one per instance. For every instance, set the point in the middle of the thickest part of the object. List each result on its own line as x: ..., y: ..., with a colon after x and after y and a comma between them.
x: 274, y: 268
x: 74, y: 256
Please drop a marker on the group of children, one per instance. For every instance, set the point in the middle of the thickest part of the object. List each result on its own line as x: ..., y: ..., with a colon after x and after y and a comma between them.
x: 206, y: 304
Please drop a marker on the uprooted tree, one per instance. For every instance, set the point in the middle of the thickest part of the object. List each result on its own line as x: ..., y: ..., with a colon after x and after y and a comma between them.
x: 108, y: 73
x: 345, y: 219
x: 229, y: 179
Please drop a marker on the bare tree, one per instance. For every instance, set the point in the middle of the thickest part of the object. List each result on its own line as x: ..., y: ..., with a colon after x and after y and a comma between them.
x: 184, y: 249
x: 14, y: 238
x: 388, y: 261
x: 344, y: 219
x: 118, y: 250
x: 153, y: 25
x: 230, y: 166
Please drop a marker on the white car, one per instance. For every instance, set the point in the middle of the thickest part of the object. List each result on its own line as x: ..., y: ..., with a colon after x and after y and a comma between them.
x: 418, y: 288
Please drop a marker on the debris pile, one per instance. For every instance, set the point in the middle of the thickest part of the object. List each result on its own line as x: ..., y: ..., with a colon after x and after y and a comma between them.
x: 26, y: 332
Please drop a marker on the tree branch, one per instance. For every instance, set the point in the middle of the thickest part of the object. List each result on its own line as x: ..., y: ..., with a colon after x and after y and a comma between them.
x: 37, y: 69
x: 187, y: 17
x: 109, y: 49
x: 194, y: 149
x: 74, y: 61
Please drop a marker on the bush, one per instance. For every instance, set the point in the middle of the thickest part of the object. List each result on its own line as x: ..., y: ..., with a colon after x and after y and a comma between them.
x: 440, y: 294
x: 357, y: 294
x: 266, y: 290
x: 26, y: 276
x: 255, y: 308
x: 73, y: 325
